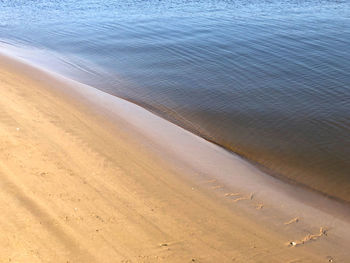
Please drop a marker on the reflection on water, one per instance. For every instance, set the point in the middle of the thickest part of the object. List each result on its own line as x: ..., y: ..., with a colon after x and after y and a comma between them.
x: 266, y: 79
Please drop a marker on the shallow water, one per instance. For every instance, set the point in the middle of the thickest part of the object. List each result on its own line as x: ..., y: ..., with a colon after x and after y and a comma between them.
x: 269, y: 80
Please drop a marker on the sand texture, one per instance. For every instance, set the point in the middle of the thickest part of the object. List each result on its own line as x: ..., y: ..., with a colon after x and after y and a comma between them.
x: 76, y: 186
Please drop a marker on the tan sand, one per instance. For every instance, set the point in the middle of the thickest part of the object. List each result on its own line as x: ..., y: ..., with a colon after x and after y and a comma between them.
x: 86, y: 177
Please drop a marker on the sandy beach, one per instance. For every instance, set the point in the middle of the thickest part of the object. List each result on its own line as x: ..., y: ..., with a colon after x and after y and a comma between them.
x: 88, y: 177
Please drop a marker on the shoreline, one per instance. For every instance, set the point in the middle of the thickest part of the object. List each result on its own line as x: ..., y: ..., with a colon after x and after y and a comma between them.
x: 25, y: 54
x: 184, y: 164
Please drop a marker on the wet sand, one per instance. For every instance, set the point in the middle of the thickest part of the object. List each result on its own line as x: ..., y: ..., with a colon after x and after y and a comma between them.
x: 87, y: 177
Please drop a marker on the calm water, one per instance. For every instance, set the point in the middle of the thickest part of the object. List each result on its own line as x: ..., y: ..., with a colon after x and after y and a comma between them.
x: 269, y: 80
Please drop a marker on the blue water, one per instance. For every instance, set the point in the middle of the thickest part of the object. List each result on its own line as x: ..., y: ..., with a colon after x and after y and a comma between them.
x: 269, y: 80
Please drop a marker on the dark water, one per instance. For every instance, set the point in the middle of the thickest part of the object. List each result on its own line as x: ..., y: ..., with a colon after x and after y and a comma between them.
x: 269, y: 80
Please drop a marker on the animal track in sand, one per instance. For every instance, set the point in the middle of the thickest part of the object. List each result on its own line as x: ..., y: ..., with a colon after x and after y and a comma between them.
x: 294, y: 220
x: 232, y: 194
x: 210, y: 181
x: 259, y: 206
x: 308, y: 238
x: 249, y: 197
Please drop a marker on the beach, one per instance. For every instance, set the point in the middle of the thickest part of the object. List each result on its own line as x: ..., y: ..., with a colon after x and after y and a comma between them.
x: 88, y: 177
x: 268, y: 81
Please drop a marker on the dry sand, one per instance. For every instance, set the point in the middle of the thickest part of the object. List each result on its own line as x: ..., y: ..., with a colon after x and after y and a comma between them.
x: 86, y: 177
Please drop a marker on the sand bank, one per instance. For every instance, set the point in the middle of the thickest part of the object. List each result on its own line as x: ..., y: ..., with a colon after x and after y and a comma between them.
x: 87, y: 177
